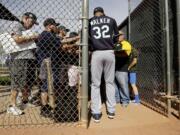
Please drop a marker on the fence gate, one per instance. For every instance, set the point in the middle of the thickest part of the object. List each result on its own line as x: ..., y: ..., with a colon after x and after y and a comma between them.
x: 44, y: 73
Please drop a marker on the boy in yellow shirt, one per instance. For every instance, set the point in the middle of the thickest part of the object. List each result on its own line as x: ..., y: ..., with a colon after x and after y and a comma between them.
x: 122, y: 52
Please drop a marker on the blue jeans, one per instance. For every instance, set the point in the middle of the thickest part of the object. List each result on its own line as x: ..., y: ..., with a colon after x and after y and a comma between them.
x: 121, y: 87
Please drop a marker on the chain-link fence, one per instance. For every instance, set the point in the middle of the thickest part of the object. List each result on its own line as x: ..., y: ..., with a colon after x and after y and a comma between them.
x: 40, y: 79
x: 148, y: 33
x: 151, y: 45
x: 40, y: 65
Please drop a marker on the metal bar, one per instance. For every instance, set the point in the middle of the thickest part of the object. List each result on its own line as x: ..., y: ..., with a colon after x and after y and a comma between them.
x: 129, y: 20
x: 50, y: 84
x: 178, y: 37
x: 84, y: 90
x: 168, y: 57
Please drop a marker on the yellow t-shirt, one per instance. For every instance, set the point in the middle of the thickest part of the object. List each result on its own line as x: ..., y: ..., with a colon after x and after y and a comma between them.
x: 126, y: 46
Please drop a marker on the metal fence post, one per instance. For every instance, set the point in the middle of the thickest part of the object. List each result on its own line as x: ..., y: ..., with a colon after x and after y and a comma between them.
x: 129, y: 20
x: 178, y: 37
x: 168, y: 58
x: 84, y: 90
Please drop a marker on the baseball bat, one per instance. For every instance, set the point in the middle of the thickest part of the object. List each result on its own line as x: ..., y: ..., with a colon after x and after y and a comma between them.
x: 50, y: 84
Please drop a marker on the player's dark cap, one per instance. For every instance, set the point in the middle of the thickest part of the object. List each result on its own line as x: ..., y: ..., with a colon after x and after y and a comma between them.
x: 73, y: 34
x: 61, y: 27
x: 33, y: 16
x: 50, y: 21
x: 98, y: 9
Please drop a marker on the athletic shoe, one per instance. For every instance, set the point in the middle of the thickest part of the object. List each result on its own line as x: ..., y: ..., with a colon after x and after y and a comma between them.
x: 111, y: 115
x: 97, y: 117
x: 46, y: 111
x: 136, y: 102
x: 14, y: 110
x: 25, y: 104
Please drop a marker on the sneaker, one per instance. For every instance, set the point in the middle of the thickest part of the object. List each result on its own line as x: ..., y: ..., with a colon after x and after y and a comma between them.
x: 131, y: 101
x: 97, y: 117
x: 14, y: 110
x: 136, y: 102
x: 35, y: 101
x: 46, y: 111
x: 25, y: 104
x: 111, y: 115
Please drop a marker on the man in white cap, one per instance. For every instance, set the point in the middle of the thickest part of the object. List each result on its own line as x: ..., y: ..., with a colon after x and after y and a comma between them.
x: 22, y: 62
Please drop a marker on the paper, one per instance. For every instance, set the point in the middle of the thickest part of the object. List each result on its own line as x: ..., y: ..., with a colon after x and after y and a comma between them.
x: 73, y: 75
x: 10, y: 46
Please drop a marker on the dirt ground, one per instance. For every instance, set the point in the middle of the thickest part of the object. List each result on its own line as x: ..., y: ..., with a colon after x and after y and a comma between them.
x: 135, y: 120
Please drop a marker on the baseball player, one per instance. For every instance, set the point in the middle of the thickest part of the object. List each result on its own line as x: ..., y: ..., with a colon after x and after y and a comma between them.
x: 101, y: 32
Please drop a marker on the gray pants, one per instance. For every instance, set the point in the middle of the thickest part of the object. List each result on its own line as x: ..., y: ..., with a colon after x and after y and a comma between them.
x: 102, y: 61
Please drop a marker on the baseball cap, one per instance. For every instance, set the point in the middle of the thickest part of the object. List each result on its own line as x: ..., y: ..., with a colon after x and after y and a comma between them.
x: 61, y: 27
x: 123, y: 47
x: 73, y: 34
x: 121, y: 33
x: 98, y: 9
x: 50, y: 21
x: 33, y: 16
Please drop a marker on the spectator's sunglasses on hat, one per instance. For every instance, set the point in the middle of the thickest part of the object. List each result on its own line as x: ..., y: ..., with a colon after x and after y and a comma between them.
x: 63, y: 28
x: 121, y: 33
x: 33, y: 16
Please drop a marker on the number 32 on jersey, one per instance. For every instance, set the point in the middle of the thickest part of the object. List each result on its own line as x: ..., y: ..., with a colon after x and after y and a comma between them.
x: 101, y: 32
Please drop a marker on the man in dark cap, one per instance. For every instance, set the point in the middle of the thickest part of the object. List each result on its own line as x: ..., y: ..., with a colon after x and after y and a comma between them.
x: 48, y: 47
x: 22, y: 62
x: 63, y: 112
x: 101, y: 33
x: 98, y: 9
x: 62, y: 30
